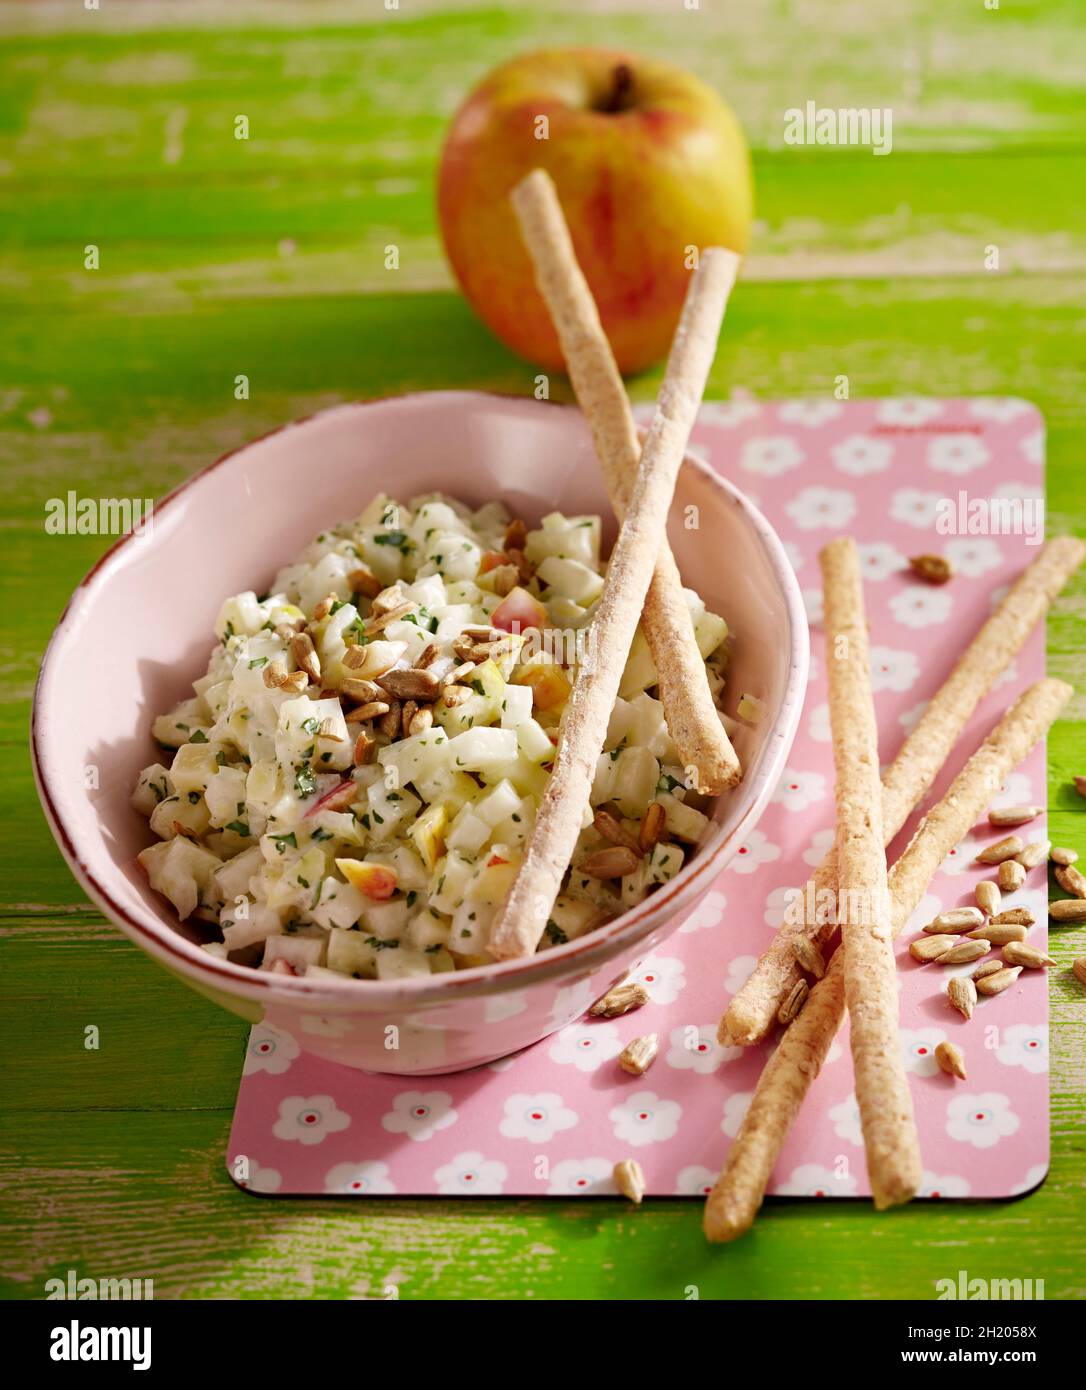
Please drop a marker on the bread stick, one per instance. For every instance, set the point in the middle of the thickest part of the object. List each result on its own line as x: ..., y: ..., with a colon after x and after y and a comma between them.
x: 863, y: 904
x: 734, y: 1201
x: 752, y: 1012
x: 517, y: 928
x: 689, y: 708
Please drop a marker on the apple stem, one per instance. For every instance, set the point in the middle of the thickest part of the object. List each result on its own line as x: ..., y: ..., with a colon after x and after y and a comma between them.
x: 618, y: 99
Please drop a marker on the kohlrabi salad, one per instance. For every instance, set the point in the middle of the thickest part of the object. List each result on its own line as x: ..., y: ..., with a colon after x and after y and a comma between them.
x: 351, y: 785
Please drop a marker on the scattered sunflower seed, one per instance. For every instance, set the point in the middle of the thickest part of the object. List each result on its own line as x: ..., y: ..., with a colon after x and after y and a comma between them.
x: 295, y: 682
x: 1080, y: 785
x: 629, y: 1179
x: 999, y: 933
x: 410, y: 685
x: 1078, y: 968
x: 1020, y: 916
x: 1036, y: 852
x: 1067, y: 910
x: 932, y: 569
x: 363, y: 581
x: 988, y: 895
x: 375, y: 709
x: 652, y: 827
x: 1018, y: 953
x: 1013, y: 815
x: 620, y: 999
x: 962, y: 993
x: 420, y: 721
x: 988, y: 968
x: 637, y: 1056
x: 305, y: 655
x: 958, y: 919
x: 363, y: 749
x: 1063, y: 856
x: 389, y: 722
x: 925, y: 949
x: 998, y: 980
x: 1010, y: 875
x: 1000, y: 850
x: 951, y: 1059
x: 1071, y: 881
x: 965, y: 952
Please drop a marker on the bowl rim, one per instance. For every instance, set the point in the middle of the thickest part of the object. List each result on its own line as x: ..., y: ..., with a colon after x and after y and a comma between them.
x: 170, y: 947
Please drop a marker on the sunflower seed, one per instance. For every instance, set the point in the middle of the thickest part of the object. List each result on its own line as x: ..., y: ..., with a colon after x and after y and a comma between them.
x: 932, y: 569
x: 629, y: 1179
x: 999, y: 980
x: 1079, y: 969
x: 453, y: 695
x: 637, y: 1056
x: 1063, y: 856
x: 996, y: 852
x: 420, y: 721
x: 274, y: 675
x: 795, y: 1001
x: 959, y: 919
x: 1067, y: 910
x: 962, y: 993
x: 363, y: 581
x: 928, y: 948
x: 363, y: 749
x: 808, y: 956
x: 375, y: 709
x: 988, y: 895
x: 354, y: 657
x: 1080, y: 785
x: 329, y: 731
x: 1017, y: 916
x: 357, y: 688
x: 295, y: 682
x: 428, y: 656
x: 612, y: 830
x: 324, y: 607
x: 951, y: 1059
x: 1013, y: 815
x: 1011, y: 875
x: 999, y: 933
x: 1018, y: 953
x: 1036, y: 852
x: 385, y: 600
x: 389, y: 722
x: 988, y: 968
x: 305, y: 655
x: 615, y: 862
x: 1071, y: 881
x: 965, y: 952
x: 652, y: 827
x: 620, y: 999
x: 373, y: 626
x: 410, y: 685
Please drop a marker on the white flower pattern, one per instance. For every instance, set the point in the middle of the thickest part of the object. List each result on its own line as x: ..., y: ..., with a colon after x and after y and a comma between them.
x: 537, y: 1117
x: 586, y: 1046
x: 755, y: 851
x: 369, y: 1177
x: 309, y: 1119
x: 420, y: 1114
x: 470, y: 1173
x: 981, y: 1120
x: 270, y: 1050
x: 645, y: 1118
x: 1024, y: 1045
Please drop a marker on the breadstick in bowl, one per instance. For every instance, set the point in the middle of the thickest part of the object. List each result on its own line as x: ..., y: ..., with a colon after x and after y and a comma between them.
x: 863, y: 900
x: 518, y: 927
x: 689, y: 709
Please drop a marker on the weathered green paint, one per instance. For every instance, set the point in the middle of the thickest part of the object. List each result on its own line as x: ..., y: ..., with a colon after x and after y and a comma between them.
x: 263, y: 257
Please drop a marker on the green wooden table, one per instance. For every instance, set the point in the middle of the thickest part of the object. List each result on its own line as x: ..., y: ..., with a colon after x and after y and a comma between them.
x: 221, y: 257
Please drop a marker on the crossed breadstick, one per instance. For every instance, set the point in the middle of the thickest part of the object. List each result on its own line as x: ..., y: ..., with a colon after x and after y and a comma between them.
x: 519, y: 925
x: 689, y: 709
x: 734, y: 1201
x: 752, y: 1013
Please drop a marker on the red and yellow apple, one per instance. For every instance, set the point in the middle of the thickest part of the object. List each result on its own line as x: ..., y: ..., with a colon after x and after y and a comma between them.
x: 649, y: 162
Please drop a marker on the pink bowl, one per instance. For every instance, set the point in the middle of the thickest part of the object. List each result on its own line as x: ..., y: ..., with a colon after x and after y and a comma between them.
x: 138, y: 630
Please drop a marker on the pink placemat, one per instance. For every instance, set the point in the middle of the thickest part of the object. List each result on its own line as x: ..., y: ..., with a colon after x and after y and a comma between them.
x: 555, y: 1118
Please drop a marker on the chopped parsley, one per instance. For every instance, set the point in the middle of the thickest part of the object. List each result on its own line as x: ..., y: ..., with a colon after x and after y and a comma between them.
x: 239, y: 827
x: 281, y: 841
x: 257, y: 662
x: 198, y: 737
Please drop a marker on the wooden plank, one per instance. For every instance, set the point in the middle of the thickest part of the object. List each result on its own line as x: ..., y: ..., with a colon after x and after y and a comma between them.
x: 149, y: 1197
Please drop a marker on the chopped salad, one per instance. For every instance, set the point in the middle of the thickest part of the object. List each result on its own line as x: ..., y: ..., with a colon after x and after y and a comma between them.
x: 351, y: 785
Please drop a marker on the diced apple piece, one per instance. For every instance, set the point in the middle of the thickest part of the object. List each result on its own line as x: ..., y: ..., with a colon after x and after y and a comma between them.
x: 451, y: 880
x: 534, y: 742
x: 518, y: 611
x: 682, y: 821
x: 402, y: 964
x: 239, y: 616
x: 193, y: 767
x: 471, y: 927
x: 225, y: 793
x: 387, y: 920
x: 351, y: 953
x: 191, y: 816
x: 571, y: 579
x: 665, y: 861
x: 428, y: 833
x: 633, y: 780
x: 639, y: 672
x: 180, y: 871
x: 549, y: 683
x: 709, y: 631
x: 390, y: 811
x: 298, y: 951
x: 570, y: 918
x: 515, y: 706
x: 258, y: 924
x: 372, y: 880
x: 380, y: 656
x: 476, y: 750
x: 233, y: 879
x: 494, y: 879
x: 571, y: 537
x: 426, y: 929
x: 154, y: 785
x: 469, y: 832
x: 339, y: 905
